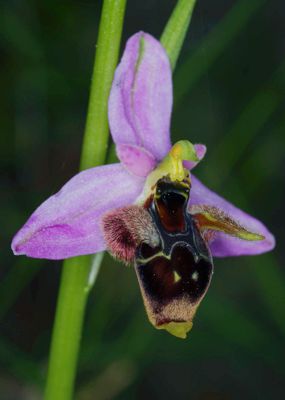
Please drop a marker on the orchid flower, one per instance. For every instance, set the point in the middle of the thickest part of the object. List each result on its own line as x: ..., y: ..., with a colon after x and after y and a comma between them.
x: 147, y: 209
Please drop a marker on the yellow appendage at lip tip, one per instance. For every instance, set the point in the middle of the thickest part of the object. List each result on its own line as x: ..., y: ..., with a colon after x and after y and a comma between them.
x: 178, y: 329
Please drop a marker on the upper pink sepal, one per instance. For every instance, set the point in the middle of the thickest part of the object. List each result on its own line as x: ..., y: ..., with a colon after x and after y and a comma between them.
x: 68, y: 223
x: 140, y: 102
x: 224, y: 245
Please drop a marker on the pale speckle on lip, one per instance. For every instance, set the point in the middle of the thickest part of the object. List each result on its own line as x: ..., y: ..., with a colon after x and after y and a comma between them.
x: 195, y: 276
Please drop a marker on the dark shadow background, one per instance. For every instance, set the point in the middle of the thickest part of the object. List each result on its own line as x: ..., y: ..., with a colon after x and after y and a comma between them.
x: 229, y: 94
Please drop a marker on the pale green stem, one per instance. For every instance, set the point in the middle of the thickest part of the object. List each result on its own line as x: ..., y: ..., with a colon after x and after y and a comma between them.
x: 67, y: 329
x: 174, y: 33
x: 79, y: 274
x: 95, y: 139
x: 75, y: 280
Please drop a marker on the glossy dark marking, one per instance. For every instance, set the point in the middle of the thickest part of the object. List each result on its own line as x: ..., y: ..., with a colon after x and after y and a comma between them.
x: 148, y: 202
x: 170, y: 203
x: 146, y: 251
x: 165, y: 280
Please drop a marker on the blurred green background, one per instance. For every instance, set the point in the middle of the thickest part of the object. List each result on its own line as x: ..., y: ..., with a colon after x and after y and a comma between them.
x: 229, y: 89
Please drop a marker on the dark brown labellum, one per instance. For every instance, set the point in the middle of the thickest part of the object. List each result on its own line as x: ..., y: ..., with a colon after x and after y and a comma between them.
x: 175, y: 275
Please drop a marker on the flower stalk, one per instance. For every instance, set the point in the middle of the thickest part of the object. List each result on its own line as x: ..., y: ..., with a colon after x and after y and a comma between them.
x: 74, y: 286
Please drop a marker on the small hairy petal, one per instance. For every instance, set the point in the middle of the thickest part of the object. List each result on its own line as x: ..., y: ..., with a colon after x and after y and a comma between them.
x: 209, y: 219
x: 125, y: 228
x: 136, y: 159
x: 68, y: 223
x: 140, y: 102
x: 221, y: 244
